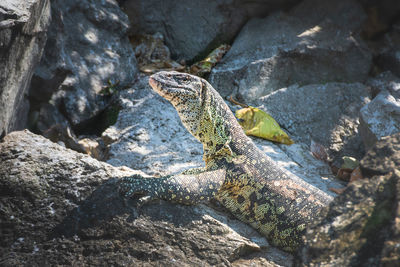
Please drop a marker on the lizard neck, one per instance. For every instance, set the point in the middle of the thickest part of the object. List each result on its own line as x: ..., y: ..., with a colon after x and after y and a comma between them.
x: 219, y: 130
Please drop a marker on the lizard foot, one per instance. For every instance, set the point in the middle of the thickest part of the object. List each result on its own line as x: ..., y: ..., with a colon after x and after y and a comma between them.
x: 137, y: 186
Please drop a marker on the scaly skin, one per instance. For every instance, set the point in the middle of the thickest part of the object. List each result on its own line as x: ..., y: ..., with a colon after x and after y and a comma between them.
x: 237, y: 173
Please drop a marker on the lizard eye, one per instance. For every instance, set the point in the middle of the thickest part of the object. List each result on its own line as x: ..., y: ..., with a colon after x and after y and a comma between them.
x: 203, y: 90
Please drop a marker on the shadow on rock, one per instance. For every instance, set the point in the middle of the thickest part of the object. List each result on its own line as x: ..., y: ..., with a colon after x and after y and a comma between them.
x: 105, y: 213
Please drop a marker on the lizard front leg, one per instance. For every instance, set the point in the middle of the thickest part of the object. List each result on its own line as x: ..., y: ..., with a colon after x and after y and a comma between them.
x: 189, y: 187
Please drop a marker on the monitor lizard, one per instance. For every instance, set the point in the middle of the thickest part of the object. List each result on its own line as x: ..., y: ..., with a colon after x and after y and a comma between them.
x: 236, y: 173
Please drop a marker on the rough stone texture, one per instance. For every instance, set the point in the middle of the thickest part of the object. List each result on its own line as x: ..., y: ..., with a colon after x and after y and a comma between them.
x: 209, y: 23
x: 361, y: 227
x: 381, y: 15
x: 383, y: 158
x: 325, y: 113
x: 381, y: 116
x: 300, y: 47
x: 87, y: 46
x: 23, y: 25
x: 298, y: 160
x: 60, y: 207
x: 389, y: 54
x: 149, y: 136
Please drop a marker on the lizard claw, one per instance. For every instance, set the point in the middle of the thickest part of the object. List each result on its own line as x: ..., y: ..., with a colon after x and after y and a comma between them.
x: 144, y: 200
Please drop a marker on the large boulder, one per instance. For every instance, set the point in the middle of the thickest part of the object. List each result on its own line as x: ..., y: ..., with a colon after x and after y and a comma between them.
x: 316, y: 42
x: 381, y: 15
x: 381, y: 116
x: 60, y: 207
x: 23, y: 26
x: 388, y: 57
x: 324, y: 113
x: 87, y: 50
x: 361, y: 227
x: 209, y: 23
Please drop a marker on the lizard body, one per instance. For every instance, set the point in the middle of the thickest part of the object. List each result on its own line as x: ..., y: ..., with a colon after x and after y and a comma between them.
x: 236, y: 173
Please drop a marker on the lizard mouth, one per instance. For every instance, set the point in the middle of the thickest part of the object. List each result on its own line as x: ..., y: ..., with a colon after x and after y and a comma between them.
x: 157, y: 87
x: 154, y: 84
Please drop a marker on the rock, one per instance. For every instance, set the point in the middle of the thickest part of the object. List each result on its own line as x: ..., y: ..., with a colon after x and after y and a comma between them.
x: 150, y: 49
x: 381, y: 14
x: 94, y: 148
x: 361, y: 226
x: 389, y: 54
x: 209, y: 23
x: 48, y: 116
x: 299, y: 47
x: 384, y: 81
x: 260, y: 8
x: 383, y: 158
x: 87, y: 50
x: 60, y: 207
x: 64, y: 136
x: 325, y: 113
x: 152, y: 55
x: 23, y: 26
x: 381, y: 116
x: 149, y: 135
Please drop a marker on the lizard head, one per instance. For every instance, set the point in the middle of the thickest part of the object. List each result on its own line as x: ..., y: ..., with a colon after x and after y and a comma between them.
x: 202, y: 110
x: 184, y: 92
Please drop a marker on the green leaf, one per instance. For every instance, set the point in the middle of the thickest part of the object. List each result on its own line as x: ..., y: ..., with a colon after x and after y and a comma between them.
x: 258, y: 123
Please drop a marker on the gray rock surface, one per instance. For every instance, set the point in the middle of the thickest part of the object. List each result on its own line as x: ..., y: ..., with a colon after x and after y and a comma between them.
x: 87, y: 46
x: 381, y: 15
x: 361, y: 227
x: 300, y: 47
x: 325, y: 113
x: 381, y: 116
x: 60, y: 207
x: 389, y: 54
x: 383, y: 157
x: 23, y: 26
x: 149, y: 135
x: 209, y: 23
